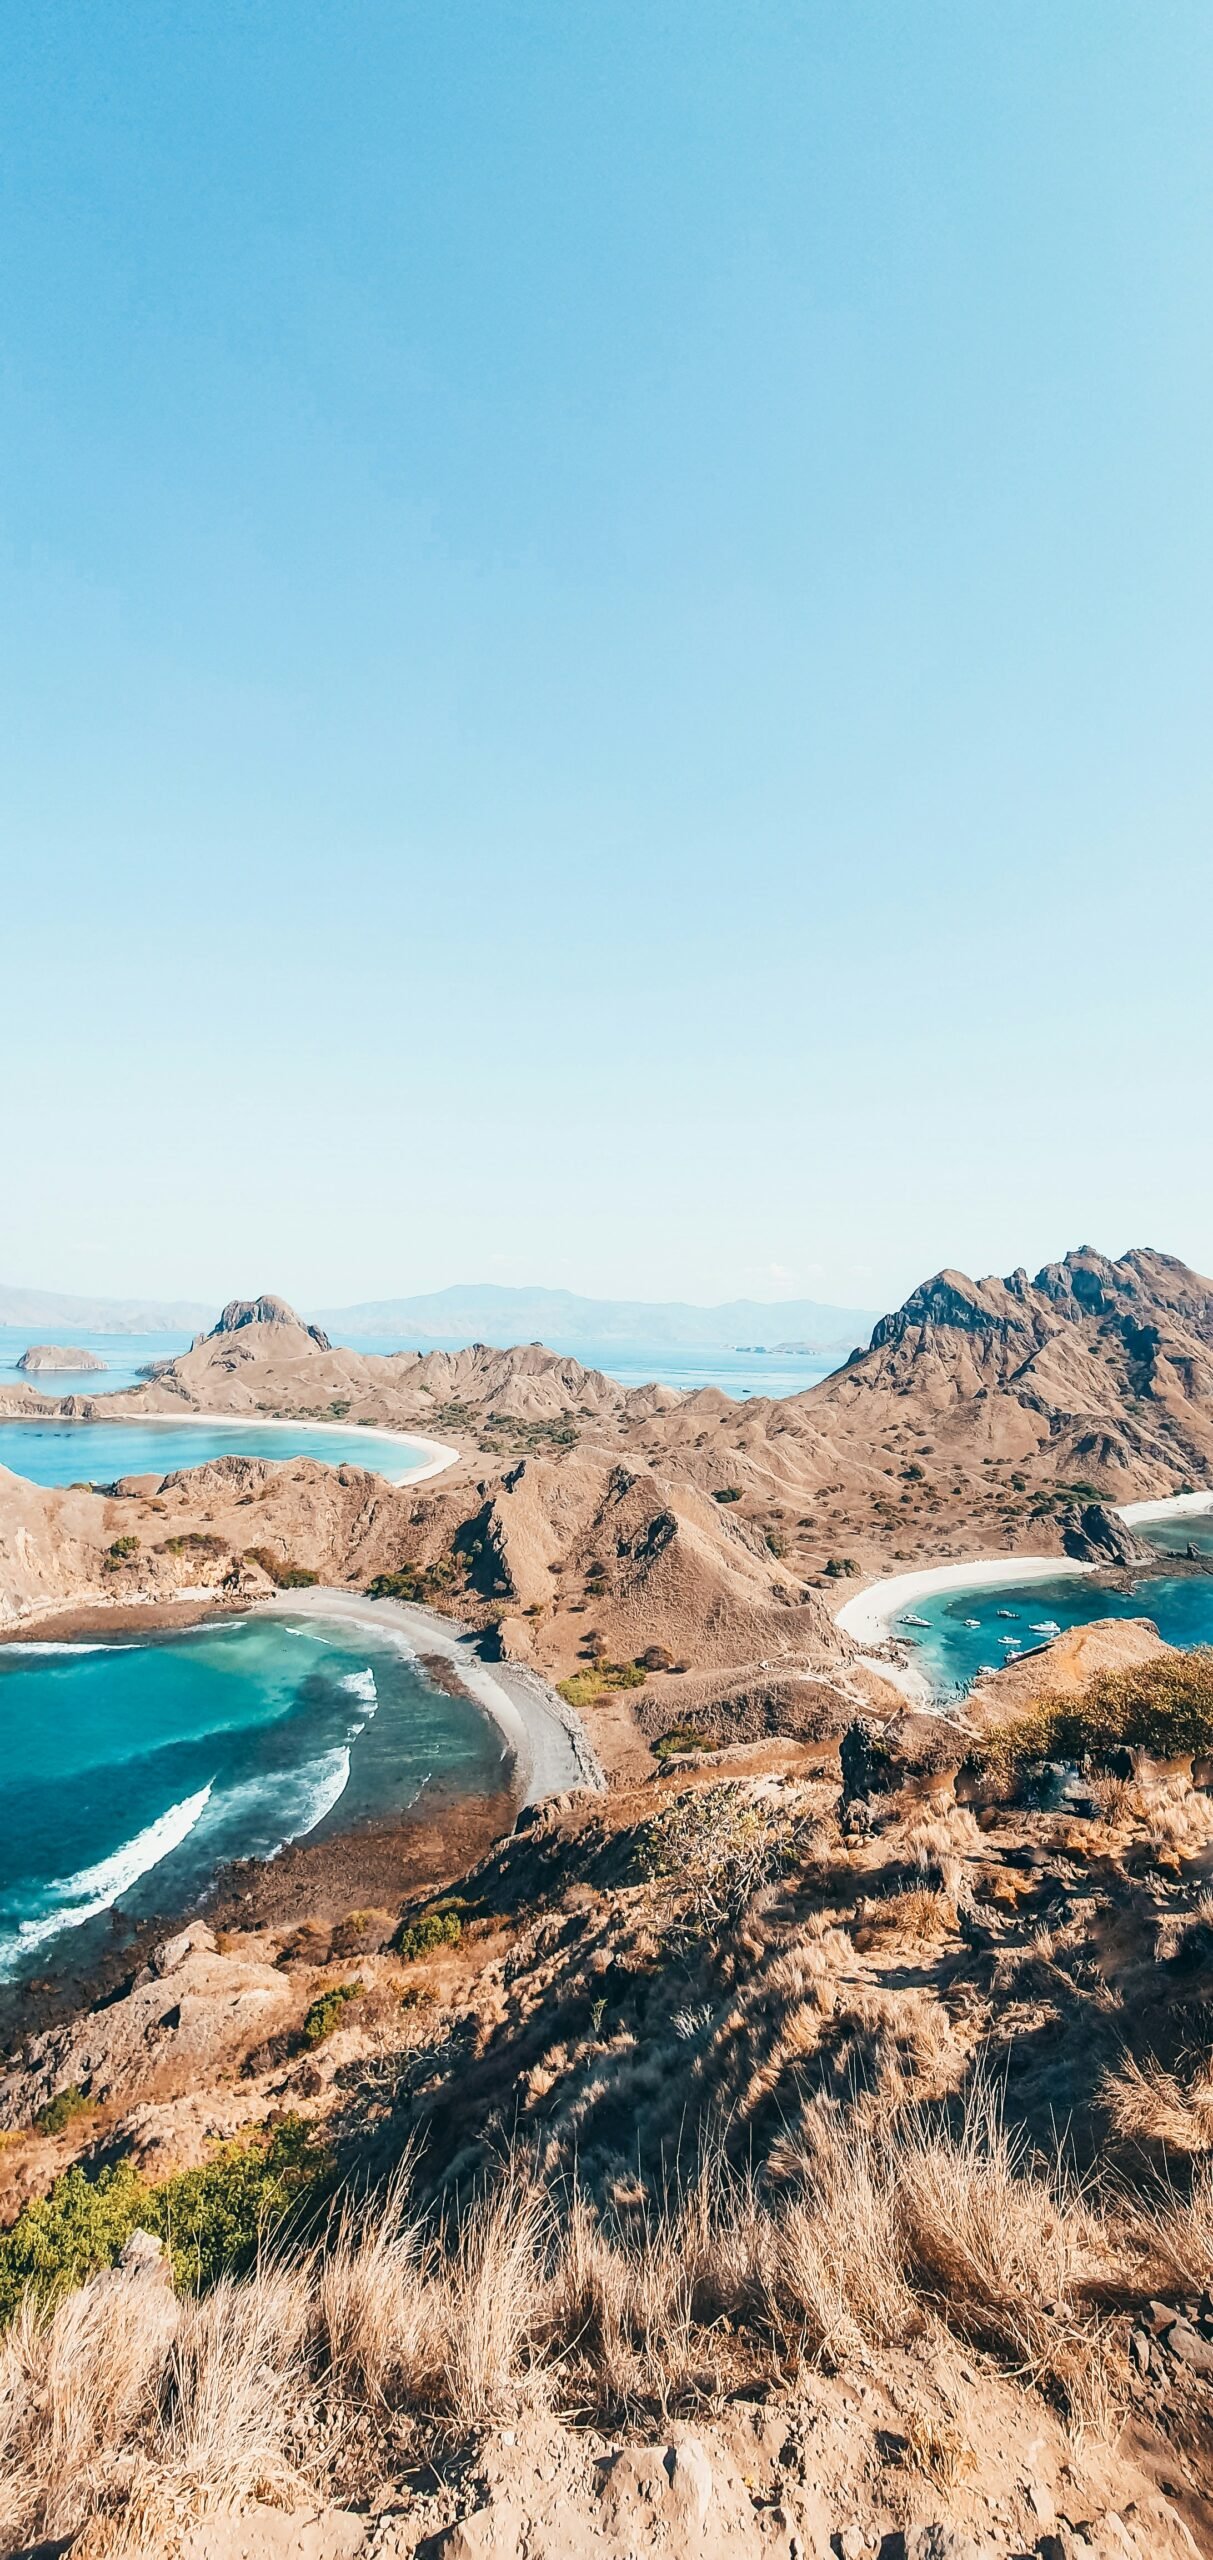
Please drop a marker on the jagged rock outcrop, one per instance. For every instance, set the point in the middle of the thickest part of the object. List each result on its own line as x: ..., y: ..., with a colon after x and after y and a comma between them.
x: 188, y: 2013
x: 266, y: 1310
x: 1094, y: 1535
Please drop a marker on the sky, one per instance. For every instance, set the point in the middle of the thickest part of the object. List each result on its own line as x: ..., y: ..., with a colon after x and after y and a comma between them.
x: 605, y: 643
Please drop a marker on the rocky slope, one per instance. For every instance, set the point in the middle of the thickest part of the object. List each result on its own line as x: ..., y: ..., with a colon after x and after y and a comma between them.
x: 739, y: 2254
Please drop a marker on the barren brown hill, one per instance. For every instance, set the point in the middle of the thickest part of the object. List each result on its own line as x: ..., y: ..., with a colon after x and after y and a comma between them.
x: 743, y: 2166
x: 597, y: 1524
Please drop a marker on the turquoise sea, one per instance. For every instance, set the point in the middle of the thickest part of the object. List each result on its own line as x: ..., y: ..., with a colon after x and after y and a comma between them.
x: 970, y: 1631
x: 100, y: 1452
x: 132, y: 1768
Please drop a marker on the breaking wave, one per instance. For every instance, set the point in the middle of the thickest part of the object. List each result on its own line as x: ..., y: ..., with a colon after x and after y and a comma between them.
x: 71, y: 1900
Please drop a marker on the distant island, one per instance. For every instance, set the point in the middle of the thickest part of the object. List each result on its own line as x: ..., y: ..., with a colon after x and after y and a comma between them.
x: 786, y: 1350
x: 58, y: 1355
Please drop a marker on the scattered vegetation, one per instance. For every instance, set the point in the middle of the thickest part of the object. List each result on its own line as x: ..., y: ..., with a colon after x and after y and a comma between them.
x: 210, y: 2219
x: 841, y: 1567
x: 419, y: 1583
x: 683, y: 1738
x: 728, y: 1493
x: 201, y: 1542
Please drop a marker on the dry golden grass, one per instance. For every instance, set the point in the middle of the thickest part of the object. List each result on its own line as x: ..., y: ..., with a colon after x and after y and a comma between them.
x: 124, y: 2402
x: 1147, y: 2104
x: 920, y: 1912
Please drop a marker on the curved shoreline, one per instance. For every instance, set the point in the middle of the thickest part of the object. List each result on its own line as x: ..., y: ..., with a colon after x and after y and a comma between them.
x: 439, y: 1454
x: 551, y: 1748
x: 869, y: 1617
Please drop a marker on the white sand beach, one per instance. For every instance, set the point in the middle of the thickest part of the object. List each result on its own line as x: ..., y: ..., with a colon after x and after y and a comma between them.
x: 870, y: 1617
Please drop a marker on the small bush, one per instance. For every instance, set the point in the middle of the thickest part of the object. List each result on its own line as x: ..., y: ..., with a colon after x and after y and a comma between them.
x: 119, y: 1554
x: 656, y: 1657
x: 683, y: 1738
x: 418, y: 1938
x: 326, y: 2012
x: 418, y: 1582
x: 841, y: 1567
x: 718, y: 1845
x: 287, y: 1576
x: 582, y: 1687
x: 61, y: 2110
x: 728, y: 1493
x: 210, y: 2218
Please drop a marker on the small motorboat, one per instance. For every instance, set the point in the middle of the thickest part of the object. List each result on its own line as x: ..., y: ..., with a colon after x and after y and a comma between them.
x: 1012, y: 1641
x: 911, y: 1621
x: 1006, y: 1613
x: 972, y: 1622
x: 1044, y: 1627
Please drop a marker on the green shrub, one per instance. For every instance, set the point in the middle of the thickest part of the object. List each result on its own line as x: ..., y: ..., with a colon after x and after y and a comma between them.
x: 728, y: 1493
x: 418, y: 1938
x: 582, y: 1687
x: 119, y: 1554
x: 210, y: 2218
x: 1163, y: 1707
x: 287, y: 1576
x: 841, y: 1567
x: 60, y: 2110
x: 325, y: 2014
x: 683, y: 1738
x: 418, y: 1582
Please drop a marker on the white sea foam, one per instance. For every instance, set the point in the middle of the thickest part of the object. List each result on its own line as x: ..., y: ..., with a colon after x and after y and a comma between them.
x: 283, y: 1806
x: 68, y: 1648
x: 361, y: 1684
x: 310, y: 1793
x: 75, y: 1899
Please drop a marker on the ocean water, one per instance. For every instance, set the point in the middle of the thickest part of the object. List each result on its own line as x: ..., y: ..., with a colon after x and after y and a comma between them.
x: 967, y: 1632
x: 131, y: 1769
x: 736, y: 1373
x: 50, y: 1452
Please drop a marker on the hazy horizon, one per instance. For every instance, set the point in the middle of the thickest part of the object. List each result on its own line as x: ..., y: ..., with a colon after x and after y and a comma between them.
x: 606, y: 644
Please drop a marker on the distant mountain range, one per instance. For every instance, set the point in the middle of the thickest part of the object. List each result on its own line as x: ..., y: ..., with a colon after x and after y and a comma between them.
x: 559, y: 1317
x: 104, y: 1315
x: 453, y: 1317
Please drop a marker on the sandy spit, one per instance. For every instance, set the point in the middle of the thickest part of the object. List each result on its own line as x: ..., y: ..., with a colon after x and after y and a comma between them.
x: 550, y: 1746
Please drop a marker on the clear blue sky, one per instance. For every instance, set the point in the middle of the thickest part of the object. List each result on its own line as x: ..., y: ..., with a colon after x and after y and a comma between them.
x: 606, y: 641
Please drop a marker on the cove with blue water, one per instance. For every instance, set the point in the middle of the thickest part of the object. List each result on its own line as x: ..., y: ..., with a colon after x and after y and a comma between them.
x: 958, y: 1634
x: 54, y: 1452
x: 134, y: 1767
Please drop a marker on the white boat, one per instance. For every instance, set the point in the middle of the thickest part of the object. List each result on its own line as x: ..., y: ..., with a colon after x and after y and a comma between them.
x: 1006, y: 1613
x: 1009, y: 1640
x: 911, y: 1621
x: 972, y: 1622
x: 1044, y: 1627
